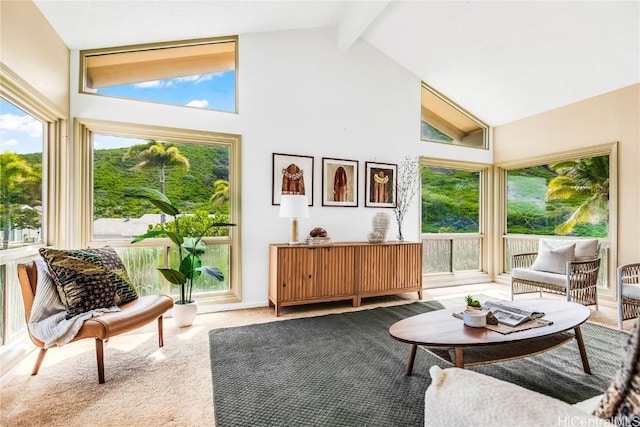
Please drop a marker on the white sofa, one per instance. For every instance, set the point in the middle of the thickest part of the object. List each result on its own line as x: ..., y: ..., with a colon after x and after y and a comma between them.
x: 460, y: 397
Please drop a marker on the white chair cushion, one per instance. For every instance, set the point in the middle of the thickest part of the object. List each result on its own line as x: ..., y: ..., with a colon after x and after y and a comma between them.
x: 553, y: 259
x: 539, y: 276
x: 586, y: 249
x: 631, y: 291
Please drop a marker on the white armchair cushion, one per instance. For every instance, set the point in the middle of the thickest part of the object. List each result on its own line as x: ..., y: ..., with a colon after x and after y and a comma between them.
x: 459, y: 397
x: 631, y: 291
x: 539, y: 276
x: 553, y: 259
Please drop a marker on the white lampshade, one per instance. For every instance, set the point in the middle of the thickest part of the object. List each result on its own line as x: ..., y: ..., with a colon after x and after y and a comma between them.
x: 294, y: 206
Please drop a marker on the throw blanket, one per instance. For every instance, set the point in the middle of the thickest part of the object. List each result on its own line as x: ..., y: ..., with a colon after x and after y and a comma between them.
x: 47, y: 322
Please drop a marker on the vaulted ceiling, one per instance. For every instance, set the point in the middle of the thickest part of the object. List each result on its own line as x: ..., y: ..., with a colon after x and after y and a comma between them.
x: 501, y: 60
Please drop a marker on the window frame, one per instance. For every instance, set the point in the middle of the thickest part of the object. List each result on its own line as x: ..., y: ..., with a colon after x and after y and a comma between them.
x: 484, y: 274
x: 55, y: 226
x: 82, y: 86
x: 83, y: 194
x: 609, y: 244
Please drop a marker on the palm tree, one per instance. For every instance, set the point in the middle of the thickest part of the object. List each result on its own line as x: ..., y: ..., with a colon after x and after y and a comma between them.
x: 13, y: 172
x: 157, y: 154
x: 588, y: 178
x: 220, y: 192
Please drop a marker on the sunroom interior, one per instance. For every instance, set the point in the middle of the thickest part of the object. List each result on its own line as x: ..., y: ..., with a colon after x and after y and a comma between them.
x: 342, y: 82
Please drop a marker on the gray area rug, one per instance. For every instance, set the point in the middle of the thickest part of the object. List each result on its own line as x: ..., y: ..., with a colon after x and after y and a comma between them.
x: 345, y: 370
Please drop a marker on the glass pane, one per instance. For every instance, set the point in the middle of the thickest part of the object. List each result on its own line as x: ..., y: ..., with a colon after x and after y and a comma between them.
x: 21, y: 148
x: 466, y: 254
x: 195, y: 177
x: 564, y: 198
x: 436, y: 256
x: 450, y: 200
x: 142, y: 264
x: 215, y: 256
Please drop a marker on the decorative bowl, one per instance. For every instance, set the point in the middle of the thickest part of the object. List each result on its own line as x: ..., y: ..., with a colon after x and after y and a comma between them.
x: 475, y: 318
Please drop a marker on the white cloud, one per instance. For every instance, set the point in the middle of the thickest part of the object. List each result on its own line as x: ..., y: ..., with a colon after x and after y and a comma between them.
x: 8, y: 143
x: 198, y: 78
x: 24, y: 124
x: 200, y: 103
x: 150, y: 84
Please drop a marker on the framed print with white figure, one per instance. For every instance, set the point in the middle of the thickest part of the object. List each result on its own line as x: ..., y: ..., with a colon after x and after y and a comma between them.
x: 291, y: 174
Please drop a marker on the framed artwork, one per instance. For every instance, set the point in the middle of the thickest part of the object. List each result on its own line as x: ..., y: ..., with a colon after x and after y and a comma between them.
x: 291, y: 174
x: 381, y: 182
x: 339, y: 182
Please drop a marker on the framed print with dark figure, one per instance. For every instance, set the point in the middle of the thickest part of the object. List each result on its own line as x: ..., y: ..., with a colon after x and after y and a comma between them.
x: 339, y: 182
x: 291, y: 174
x: 380, y: 185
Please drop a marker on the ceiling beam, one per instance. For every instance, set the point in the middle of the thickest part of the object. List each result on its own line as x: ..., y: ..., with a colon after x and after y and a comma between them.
x: 358, y: 16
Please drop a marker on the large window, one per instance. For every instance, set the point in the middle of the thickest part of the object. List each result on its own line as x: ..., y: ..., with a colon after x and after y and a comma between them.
x: 31, y: 194
x: 21, y: 155
x: 194, y: 73
x: 567, y: 194
x: 452, y: 228
x: 197, y: 171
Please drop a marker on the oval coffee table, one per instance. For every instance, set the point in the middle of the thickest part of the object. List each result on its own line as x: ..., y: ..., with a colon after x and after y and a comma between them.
x: 449, y: 339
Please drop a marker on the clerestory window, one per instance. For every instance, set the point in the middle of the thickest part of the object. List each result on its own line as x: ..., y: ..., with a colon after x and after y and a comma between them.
x: 195, y: 73
x: 445, y: 122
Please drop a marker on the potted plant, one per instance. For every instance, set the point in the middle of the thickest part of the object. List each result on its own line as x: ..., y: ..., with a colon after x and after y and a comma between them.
x: 190, y: 249
x: 472, y: 303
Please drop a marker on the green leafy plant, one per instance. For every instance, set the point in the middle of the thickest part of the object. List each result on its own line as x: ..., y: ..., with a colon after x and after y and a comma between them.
x: 472, y: 302
x: 190, y: 248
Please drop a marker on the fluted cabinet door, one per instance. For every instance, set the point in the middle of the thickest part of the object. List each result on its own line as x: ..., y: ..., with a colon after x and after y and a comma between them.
x: 296, y: 274
x: 335, y: 270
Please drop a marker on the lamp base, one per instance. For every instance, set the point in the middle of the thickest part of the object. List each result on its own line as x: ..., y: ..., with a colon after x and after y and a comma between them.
x: 293, y: 237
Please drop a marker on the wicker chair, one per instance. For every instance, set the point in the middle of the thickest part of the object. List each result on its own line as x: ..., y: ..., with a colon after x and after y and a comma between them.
x: 578, y: 283
x: 628, y: 292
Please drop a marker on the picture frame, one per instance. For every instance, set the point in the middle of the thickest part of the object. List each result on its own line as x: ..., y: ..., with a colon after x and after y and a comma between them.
x: 291, y: 174
x: 381, y: 185
x: 339, y: 182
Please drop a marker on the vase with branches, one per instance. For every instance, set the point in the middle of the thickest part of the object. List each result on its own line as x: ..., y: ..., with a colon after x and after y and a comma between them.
x: 408, y: 174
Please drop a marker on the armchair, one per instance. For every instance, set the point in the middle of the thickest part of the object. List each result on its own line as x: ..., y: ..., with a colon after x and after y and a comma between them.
x: 132, y: 315
x: 628, y: 292
x: 565, y: 267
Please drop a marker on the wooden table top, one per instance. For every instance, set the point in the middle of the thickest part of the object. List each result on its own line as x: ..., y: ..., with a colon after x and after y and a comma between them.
x: 440, y: 328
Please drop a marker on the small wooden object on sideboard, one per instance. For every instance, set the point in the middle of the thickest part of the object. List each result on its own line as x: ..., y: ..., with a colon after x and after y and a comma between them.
x: 306, y: 274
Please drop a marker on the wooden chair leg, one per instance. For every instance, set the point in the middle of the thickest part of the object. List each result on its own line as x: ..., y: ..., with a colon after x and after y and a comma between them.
x: 41, y: 355
x: 100, y: 360
x: 160, y: 339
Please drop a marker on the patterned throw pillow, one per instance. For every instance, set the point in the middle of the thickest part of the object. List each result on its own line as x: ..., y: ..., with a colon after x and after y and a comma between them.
x: 621, y: 401
x: 125, y: 292
x: 87, y: 279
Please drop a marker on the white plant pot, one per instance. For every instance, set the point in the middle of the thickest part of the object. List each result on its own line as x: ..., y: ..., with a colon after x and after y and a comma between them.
x: 185, y: 314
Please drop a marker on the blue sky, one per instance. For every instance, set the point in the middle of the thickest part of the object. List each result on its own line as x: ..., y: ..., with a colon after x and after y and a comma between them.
x: 21, y: 133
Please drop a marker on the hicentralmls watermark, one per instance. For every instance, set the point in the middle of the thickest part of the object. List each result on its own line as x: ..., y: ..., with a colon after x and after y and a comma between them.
x: 576, y: 421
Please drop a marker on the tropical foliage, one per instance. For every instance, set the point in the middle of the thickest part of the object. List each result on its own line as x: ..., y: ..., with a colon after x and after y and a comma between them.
x: 20, y: 184
x: 190, y: 249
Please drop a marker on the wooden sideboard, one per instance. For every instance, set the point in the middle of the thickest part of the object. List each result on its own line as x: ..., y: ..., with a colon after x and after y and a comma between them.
x: 305, y: 274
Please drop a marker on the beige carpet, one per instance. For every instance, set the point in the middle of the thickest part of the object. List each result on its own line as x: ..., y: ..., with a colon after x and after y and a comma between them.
x: 148, y: 386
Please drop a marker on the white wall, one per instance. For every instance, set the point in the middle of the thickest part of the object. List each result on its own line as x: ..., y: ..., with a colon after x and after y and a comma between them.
x: 299, y: 95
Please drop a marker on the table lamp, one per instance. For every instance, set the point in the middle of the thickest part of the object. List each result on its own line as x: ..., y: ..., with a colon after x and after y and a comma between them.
x: 294, y: 206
